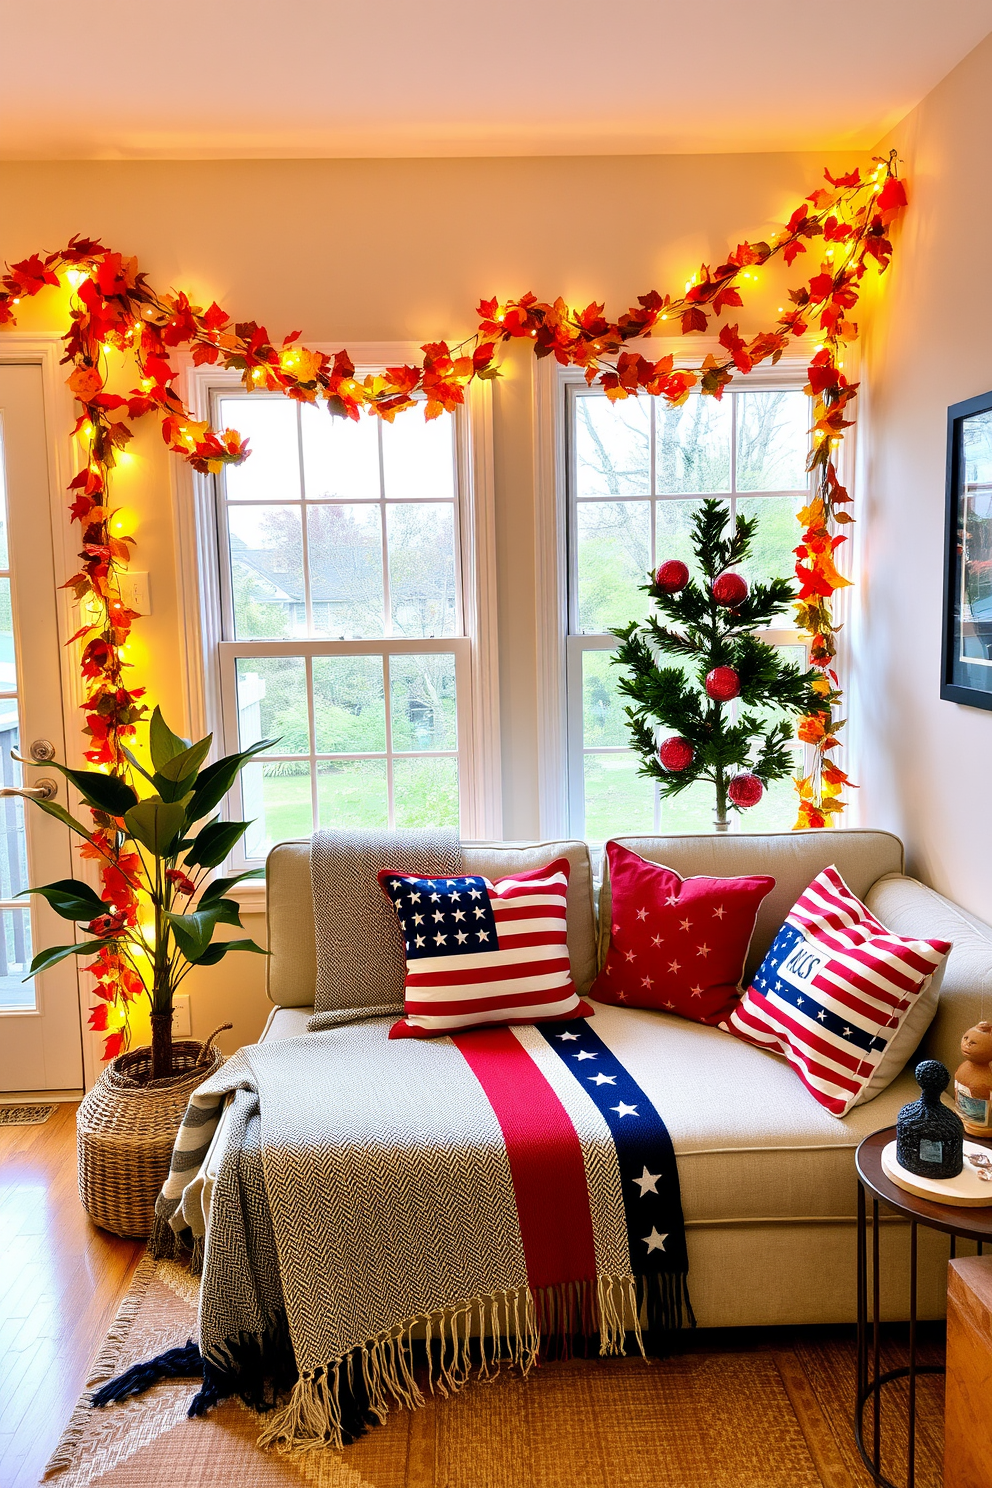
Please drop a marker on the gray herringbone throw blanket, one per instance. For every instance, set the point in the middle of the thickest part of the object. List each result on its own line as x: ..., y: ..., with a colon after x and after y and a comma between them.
x: 362, y: 1195
x: 360, y: 961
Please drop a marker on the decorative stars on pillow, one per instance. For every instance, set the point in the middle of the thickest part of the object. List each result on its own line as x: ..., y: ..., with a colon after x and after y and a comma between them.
x: 443, y: 916
x: 678, y: 945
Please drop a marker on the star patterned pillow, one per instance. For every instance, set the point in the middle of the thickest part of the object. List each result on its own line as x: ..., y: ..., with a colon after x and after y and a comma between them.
x: 676, y: 944
x: 481, y: 953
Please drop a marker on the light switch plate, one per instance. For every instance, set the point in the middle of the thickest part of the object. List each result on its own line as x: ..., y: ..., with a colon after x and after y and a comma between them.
x: 182, y: 1026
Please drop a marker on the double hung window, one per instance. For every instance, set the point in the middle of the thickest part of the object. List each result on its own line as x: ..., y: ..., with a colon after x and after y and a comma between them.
x: 342, y: 631
x: 636, y: 472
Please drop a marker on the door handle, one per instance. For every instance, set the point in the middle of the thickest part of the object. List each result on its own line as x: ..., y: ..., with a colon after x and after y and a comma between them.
x: 43, y: 791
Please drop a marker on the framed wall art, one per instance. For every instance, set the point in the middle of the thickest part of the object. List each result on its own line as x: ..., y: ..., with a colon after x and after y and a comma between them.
x: 966, y: 658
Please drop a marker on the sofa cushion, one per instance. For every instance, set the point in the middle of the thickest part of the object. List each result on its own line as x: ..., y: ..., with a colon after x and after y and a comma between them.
x: 677, y: 944
x: 792, y: 858
x: 841, y: 996
x: 291, y: 968
x: 751, y: 1142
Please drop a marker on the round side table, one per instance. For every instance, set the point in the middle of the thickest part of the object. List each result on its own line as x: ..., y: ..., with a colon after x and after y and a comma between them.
x: 969, y: 1224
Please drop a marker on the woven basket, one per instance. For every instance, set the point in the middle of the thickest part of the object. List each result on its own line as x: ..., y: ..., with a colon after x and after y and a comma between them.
x: 125, y: 1130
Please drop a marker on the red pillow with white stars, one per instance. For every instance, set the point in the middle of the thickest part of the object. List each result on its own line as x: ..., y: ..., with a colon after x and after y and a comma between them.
x: 677, y: 944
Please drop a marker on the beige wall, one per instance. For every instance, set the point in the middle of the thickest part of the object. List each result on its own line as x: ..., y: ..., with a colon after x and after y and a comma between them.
x: 397, y: 250
x: 925, y: 765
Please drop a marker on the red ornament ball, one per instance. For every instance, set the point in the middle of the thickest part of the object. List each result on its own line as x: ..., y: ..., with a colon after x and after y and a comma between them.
x: 729, y: 589
x: 745, y: 789
x: 672, y: 576
x: 676, y: 753
x: 722, y: 684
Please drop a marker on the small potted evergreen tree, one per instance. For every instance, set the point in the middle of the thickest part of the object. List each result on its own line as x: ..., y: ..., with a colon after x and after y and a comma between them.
x: 154, y: 923
x: 680, y: 716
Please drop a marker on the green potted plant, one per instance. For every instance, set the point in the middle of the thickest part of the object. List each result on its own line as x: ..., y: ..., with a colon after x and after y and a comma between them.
x: 154, y: 921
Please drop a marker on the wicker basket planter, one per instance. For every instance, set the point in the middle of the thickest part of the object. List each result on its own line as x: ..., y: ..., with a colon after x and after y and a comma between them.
x: 125, y: 1130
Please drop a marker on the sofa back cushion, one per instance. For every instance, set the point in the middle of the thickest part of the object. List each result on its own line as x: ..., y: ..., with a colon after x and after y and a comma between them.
x: 793, y: 859
x: 291, y: 968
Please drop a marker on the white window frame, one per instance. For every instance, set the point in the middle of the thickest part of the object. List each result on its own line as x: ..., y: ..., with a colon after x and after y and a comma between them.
x: 208, y: 654
x: 560, y: 747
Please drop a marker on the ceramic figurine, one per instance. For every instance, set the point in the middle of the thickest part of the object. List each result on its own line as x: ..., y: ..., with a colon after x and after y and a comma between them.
x: 973, y: 1081
x: 929, y: 1136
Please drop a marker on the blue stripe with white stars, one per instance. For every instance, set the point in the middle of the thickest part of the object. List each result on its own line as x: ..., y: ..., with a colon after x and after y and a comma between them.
x: 649, y: 1174
x: 768, y: 981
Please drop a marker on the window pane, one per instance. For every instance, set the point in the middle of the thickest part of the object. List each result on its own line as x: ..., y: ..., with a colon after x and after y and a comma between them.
x: 352, y: 793
x: 267, y: 572
x: 276, y: 799
x: 13, y: 858
x: 345, y: 549
x: 340, y: 457
x: 617, y: 798
x: 614, y: 557
x: 8, y: 664
x: 422, y: 568
x: 612, y: 446
x: 693, y: 810
x: 771, y: 549
x: 693, y: 446
x: 603, y: 719
x: 15, y: 958
x: 772, y: 441
x: 272, y: 703
x: 418, y: 457
x: 425, y: 792
x: 422, y: 702
x: 4, y: 561
x: 976, y: 437
x: 348, y: 704
x: 673, y: 533
x: 272, y: 469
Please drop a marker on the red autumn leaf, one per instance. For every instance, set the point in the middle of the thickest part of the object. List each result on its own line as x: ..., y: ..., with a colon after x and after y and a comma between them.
x: 693, y: 319
x: 792, y: 250
x: 853, y: 178
x: 99, y: 1017
x: 113, y: 1045
x: 728, y: 295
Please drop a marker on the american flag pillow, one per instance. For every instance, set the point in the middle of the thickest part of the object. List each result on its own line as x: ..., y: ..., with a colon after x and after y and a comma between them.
x: 843, y: 998
x: 479, y: 953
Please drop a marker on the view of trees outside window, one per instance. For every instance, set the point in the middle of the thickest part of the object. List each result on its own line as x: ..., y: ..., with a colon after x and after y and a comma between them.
x: 338, y: 533
x: 976, y: 566
x: 637, y: 469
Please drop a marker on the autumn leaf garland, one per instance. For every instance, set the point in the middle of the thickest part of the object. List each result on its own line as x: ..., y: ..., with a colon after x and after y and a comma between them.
x: 114, y: 307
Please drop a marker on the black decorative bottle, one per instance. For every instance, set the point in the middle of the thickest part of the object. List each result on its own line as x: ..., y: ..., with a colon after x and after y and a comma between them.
x: 929, y: 1136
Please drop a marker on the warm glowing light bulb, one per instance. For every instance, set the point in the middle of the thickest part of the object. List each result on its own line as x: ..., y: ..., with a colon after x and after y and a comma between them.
x: 86, y: 432
x: 75, y: 277
x: 257, y: 375
x: 664, y: 317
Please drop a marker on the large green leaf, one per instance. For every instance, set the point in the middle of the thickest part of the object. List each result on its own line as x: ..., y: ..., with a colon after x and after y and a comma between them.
x: 71, y: 898
x: 55, y: 954
x: 221, y: 886
x: 213, y: 843
x: 59, y: 812
x: 182, y: 766
x: 220, y: 948
x: 162, y: 742
x: 216, y: 780
x: 107, y: 793
x: 194, y: 932
x: 156, y: 824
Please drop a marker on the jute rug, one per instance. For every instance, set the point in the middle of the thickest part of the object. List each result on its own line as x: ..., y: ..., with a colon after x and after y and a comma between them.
x: 724, y: 1414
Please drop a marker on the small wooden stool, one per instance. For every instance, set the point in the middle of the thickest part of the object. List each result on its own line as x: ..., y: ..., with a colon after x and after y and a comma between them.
x: 968, y: 1386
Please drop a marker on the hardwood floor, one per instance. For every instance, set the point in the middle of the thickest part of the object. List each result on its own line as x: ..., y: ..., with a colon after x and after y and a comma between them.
x: 61, y: 1282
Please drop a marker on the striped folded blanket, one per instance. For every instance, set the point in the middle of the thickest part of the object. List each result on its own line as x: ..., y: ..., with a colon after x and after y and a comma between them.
x: 491, y: 1194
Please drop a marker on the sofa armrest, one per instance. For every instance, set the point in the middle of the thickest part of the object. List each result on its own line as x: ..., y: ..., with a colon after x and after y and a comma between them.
x: 908, y: 907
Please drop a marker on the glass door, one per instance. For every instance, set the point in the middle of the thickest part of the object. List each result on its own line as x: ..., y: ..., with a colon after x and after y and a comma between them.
x: 40, y: 1039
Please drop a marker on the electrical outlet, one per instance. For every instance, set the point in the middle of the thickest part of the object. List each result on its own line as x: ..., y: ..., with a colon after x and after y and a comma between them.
x: 135, y: 591
x: 182, y: 1026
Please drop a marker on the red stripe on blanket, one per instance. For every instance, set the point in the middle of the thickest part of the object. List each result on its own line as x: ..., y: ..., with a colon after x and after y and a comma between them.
x: 549, y: 1177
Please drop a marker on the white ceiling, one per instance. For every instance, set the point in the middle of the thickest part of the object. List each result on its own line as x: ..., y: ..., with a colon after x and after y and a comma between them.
x: 297, y: 78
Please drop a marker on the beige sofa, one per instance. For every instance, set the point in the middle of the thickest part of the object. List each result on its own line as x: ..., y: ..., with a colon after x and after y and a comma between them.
x: 767, y: 1175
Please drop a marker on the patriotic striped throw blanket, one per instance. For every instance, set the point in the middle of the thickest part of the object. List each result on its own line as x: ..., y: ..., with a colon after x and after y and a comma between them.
x: 488, y: 1194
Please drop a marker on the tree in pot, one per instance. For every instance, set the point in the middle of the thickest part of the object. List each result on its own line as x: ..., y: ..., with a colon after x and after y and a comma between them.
x: 726, y: 706
x: 145, y: 930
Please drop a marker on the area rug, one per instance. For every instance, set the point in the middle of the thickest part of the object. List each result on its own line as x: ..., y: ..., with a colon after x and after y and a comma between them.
x: 723, y: 1414
x: 25, y: 1115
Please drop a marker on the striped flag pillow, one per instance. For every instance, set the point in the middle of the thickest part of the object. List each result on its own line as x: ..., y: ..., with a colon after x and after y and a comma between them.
x: 479, y: 953
x: 843, y: 998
